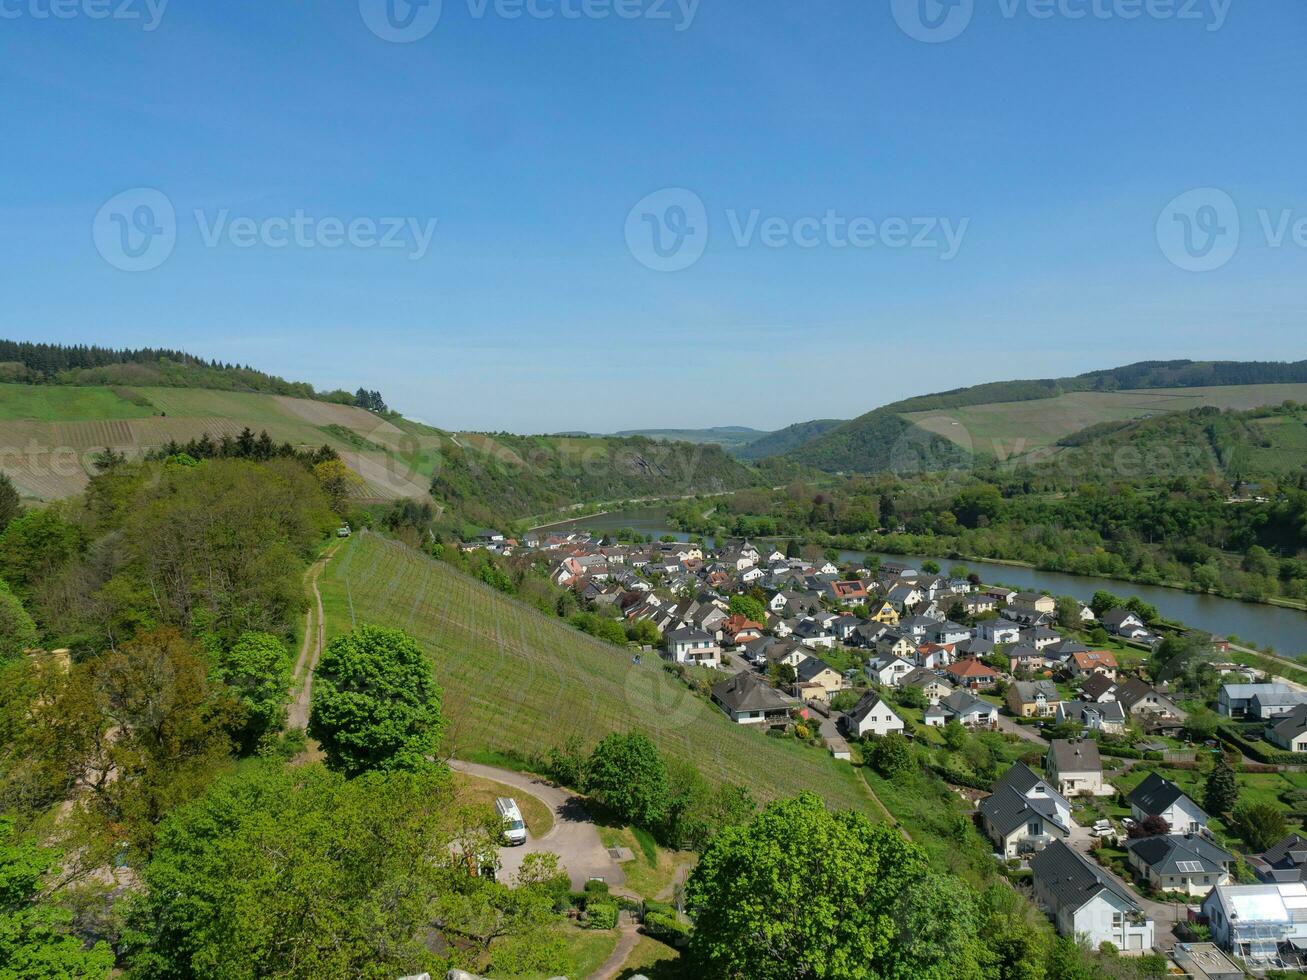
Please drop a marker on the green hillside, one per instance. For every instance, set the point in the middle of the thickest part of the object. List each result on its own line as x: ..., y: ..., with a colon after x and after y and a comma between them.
x: 500, y: 478
x: 730, y: 437
x: 783, y: 440
x: 1005, y: 419
x: 517, y: 681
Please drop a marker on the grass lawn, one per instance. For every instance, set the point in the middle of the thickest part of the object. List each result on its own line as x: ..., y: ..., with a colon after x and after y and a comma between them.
x: 516, y: 681
x: 654, y: 960
x: 655, y: 870
x: 475, y: 790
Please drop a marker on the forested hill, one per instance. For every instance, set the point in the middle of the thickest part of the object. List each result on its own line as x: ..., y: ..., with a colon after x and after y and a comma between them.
x: 57, y: 364
x: 782, y: 441
x: 979, y: 420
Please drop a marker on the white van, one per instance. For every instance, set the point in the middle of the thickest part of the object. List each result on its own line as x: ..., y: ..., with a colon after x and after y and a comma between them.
x: 514, y: 825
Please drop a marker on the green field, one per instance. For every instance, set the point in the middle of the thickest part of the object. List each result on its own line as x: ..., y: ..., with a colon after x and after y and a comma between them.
x: 1005, y: 429
x: 517, y: 681
x: 51, y: 403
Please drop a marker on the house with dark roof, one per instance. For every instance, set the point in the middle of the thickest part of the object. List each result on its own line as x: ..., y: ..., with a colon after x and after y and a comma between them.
x: 1098, y: 688
x: 1158, y: 797
x: 1290, y: 731
x: 964, y: 708
x: 1085, y: 901
x: 1285, y: 862
x: 1107, y: 716
x: 1150, y: 707
x: 1075, y: 767
x: 748, y: 700
x: 816, y: 680
x: 693, y: 646
x: 1024, y: 813
x: 871, y: 716
x: 1033, y: 699
x: 934, y: 687
x: 1188, y: 863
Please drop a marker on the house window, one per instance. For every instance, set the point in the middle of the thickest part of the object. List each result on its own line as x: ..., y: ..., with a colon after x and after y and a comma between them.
x: 1117, y: 919
x: 1033, y: 828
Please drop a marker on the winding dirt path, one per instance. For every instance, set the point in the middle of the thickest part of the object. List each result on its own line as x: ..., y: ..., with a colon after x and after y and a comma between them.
x: 315, y: 634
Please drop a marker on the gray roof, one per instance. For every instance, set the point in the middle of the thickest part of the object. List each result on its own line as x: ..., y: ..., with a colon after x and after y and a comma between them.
x: 920, y: 676
x: 1007, y: 809
x: 1078, y: 755
x: 1029, y: 690
x: 810, y: 668
x: 1071, y: 879
x: 1174, y: 854
x: 744, y: 692
x: 865, y: 705
x: 1155, y: 794
x: 962, y: 703
x: 1291, y: 724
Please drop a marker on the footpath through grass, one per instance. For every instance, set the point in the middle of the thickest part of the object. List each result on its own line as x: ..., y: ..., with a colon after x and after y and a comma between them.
x: 516, y: 681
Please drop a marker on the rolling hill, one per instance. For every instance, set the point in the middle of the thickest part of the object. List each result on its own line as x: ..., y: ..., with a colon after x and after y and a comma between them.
x: 780, y: 442
x: 515, y: 680
x: 1005, y: 419
x: 732, y: 438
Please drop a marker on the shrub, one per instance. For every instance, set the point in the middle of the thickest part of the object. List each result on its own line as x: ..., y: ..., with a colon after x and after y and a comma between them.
x: 601, y: 915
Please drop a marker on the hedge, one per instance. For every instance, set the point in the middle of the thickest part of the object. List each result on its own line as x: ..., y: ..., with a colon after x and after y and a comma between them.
x: 601, y: 915
x: 667, y: 928
x: 1254, y: 750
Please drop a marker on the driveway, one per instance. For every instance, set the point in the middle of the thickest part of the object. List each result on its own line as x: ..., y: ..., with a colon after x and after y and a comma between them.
x: 1163, y: 914
x: 574, y: 837
x: 1026, y: 732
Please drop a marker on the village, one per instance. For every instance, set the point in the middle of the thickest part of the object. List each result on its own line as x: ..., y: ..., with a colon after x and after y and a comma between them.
x: 1099, y: 813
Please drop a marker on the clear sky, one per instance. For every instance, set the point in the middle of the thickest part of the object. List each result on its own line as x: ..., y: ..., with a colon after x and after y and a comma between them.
x: 861, y: 215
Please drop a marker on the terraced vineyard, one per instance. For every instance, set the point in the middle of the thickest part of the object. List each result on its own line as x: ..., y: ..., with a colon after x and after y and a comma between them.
x: 520, y: 681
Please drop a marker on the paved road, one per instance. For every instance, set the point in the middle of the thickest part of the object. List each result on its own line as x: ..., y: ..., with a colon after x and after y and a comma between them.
x: 573, y: 837
x: 1026, y: 732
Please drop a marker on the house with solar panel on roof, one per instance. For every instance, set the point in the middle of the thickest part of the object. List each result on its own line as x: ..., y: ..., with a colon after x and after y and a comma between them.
x: 1085, y: 901
x: 1188, y: 863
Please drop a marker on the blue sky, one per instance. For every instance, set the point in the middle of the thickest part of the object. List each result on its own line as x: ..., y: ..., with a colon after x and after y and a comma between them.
x: 1051, y: 145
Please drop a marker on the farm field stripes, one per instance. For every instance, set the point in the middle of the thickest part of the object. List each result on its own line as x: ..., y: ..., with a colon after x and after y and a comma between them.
x: 519, y: 681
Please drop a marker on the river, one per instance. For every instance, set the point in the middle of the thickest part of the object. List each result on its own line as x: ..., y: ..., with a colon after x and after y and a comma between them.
x: 1283, y: 629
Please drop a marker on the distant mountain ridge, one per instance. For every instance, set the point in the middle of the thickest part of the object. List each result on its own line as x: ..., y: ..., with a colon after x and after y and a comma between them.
x: 886, y: 439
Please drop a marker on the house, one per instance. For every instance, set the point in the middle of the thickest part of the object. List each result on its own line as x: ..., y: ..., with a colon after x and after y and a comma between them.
x: 1041, y: 637
x: 872, y: 716
x: 965, y: 709
x: 978, y: 605
x: 1233, y: 700
x: 816, y: 680
x: 972, y: 674
x: 1034, y: 602
x: 1033, y: 699
x: 1098, y: 689
x: 1158, y: 797
x: 769, y: 650
x: 1000, y: 594
x: 1253, y: 922
x: 1151, y: 707
x: 1285, y: 862
x: 998, y: 631
x: 748, y: 700
x: 1026, y: 657
x: 888, y: 671
x: 1289, y: 732
x: 1094, y: 662
x: 1188, y: 863
x: 1108, y: 716
x: 883, y: 611
x: 1122, y: 622
x: 846, y: 593
x: 1075, y: 768
x: 896, y: 644
x: 688, y: 645
x: 934, y: 687
x: 935, y: 656
x: 811, y: 633
x: 947, y: 633
x: 1024, y: 813
x: 905, y: 597
x: 740, y: 629
x: 1085, y: 901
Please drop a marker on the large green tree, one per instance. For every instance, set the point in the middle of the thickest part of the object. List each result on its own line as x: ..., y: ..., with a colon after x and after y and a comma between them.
x: 17, y: 631
x: 1261, y: 824
x: 278, y: 872
x: 257, y: 669
x: 1221, y: 791
x: 376, y: 704
x: 628, y: 776
x: 801, y: 892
